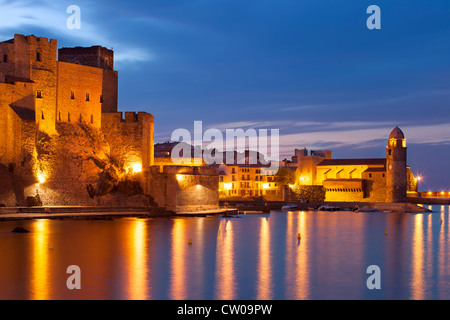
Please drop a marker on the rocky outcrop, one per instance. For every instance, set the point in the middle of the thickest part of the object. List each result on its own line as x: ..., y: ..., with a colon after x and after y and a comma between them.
x: 79, y: 168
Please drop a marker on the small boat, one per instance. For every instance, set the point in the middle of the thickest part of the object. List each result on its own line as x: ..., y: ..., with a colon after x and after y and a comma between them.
x: 366, y: 209
x: 289, y: 207
x: 329, y: 208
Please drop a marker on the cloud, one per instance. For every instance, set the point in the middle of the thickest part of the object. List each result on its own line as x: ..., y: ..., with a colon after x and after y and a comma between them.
x: 251, y: 125
x: 22, y: 15
x: 370, y: 137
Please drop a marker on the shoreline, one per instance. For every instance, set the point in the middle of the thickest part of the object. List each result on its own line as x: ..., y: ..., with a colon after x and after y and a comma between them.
x: 98, y: 213
x: 110, y: 213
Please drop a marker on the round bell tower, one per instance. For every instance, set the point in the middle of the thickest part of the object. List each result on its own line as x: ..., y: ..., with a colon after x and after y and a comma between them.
x: 396, y: 178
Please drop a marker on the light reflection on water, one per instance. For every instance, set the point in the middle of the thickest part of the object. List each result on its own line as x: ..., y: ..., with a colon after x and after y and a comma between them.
x: 254, y: 257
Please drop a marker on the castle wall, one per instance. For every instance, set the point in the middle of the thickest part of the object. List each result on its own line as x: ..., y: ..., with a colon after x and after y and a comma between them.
x: 8, y: 53
x: 131, y: 139
x: 185, y: 189
x: 100, y: 58
x: 95, y: 56
x: 375, y: 186
x: 110, y: 91
x: 79, y: 94
x: 10, y: 121
x: 344, y: 190
x: 44, y: 74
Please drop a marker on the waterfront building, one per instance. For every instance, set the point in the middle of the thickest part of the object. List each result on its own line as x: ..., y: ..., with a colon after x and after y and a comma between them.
x: 366, y: 180
x: 248, y: 181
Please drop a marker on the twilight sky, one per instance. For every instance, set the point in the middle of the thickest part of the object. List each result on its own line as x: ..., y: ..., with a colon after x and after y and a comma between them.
x: 310, y: 68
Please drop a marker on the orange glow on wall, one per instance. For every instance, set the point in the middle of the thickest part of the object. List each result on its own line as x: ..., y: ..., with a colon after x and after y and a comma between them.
x: 41, y: 177
x: 137, y: 168
x: 228, y: 186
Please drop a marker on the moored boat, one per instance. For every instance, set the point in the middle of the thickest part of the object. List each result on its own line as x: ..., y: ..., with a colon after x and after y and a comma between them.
x: 329, y: 208
x: 289, y: 207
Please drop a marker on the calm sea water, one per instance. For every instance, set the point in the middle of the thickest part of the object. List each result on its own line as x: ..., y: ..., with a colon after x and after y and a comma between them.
x: 253, y: 257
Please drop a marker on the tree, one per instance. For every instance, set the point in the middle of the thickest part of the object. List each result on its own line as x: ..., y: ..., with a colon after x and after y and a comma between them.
x: 285, y: 176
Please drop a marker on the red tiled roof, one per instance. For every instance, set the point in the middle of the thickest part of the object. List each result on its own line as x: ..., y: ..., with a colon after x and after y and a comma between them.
x: 383, y: 169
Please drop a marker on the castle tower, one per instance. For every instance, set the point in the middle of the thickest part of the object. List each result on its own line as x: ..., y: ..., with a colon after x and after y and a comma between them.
x: 33, y: 60
x: 396, y: 178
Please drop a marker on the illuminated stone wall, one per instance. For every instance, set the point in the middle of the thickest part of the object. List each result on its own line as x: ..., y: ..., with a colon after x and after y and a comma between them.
x: 185, y: 189
x: 344, y: 190
x: 131, y: 138
x: 11, y: 121
x: 101, y: 60
x: 79, y: 94
x: 375, y: 185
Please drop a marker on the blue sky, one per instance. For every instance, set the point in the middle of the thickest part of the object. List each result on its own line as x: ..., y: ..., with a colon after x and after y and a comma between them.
x: 309, y: 68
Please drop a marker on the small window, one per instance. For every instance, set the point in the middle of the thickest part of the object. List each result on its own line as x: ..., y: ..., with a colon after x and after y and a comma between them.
x: 370, y: 175
x: 68, y: 117
x: 38, y: 56
x: 383, y: 175
x: 39, y: 94
x: 72, y: 95
x: 43, y: 115
x: 101, y: 98
x: 59, y: 115
x: 81, y: 118
x: 5, y: 58
x: 87, y: 96
x: 92, y: 118
x: 390, y: 152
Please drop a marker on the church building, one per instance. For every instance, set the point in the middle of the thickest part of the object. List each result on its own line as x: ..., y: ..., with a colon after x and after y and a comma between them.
x: 363, y: 180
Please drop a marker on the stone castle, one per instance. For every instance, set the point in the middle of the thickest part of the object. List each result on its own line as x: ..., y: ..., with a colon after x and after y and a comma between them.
x: 64, y: 139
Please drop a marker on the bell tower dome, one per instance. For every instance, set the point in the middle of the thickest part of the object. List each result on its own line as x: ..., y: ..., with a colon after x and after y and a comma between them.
x: 396, y: 177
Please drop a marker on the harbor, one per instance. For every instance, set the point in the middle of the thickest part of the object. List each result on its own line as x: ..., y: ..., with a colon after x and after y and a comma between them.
x: 287, y: 255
